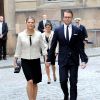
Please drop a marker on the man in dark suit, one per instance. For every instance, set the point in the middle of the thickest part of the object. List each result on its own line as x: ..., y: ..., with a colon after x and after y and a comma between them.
x: 83, y: 31
x: 82, y: 28
x: 69, y: 38
x: 3, y: 38
x: 42, y: 23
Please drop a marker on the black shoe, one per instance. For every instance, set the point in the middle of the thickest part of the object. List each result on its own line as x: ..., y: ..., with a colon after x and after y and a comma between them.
x: 4, y: 58
x: 48, y: 82
x: 55, y: 79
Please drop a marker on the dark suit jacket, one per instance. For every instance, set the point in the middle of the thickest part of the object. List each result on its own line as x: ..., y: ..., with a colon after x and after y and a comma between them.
x: 83, y: 30
x: 41, y: 26
x: 4, y: 30
x: 67, y: 50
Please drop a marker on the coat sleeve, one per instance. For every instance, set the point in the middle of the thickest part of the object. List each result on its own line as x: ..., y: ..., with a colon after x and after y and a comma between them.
x: 43, y: 45
x: 18, y: 47
x: 83, y: 56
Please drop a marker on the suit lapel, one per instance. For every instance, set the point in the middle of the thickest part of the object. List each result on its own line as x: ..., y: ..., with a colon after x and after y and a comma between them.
x: 62, y: 32
x: 3, y: 26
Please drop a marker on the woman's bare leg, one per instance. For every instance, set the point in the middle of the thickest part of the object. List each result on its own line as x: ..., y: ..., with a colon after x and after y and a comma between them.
x: 32, y: 90
x: 54, y: 72
x: 48, y: 73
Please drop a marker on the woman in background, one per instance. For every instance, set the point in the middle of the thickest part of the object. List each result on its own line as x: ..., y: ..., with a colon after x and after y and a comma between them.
x: 47, y: 37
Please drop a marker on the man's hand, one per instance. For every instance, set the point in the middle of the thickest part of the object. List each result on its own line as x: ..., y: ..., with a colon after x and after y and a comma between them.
x: 1, y: 36
x: 83, y: 65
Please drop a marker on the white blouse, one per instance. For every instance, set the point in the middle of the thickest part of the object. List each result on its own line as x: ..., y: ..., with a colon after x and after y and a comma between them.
x: 23, y: 48
x: 49, y: 40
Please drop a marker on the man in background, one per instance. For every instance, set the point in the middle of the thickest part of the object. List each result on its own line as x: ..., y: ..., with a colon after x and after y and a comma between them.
x: 82, y: 28
x: 42, y: 23
x: 3, y: 38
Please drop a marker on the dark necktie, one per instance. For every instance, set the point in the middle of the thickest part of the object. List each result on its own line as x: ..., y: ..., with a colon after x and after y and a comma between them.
x: 30, y: 40
x: 67, y: 34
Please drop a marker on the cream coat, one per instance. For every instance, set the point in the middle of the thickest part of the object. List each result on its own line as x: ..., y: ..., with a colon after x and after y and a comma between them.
x: 50, y: 40
x: 23, y: 48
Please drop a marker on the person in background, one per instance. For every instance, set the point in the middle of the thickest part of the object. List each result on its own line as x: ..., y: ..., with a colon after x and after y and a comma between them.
x: 3, y: 38
x: 70, y: 40
x: 47, y: 37
x: 83, y: 31
x: 82, y: 28
x: 42, y: 23
x: 28, y: 47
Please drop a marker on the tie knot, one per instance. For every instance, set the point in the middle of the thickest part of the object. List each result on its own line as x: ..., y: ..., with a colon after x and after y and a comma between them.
x: 30, y: 35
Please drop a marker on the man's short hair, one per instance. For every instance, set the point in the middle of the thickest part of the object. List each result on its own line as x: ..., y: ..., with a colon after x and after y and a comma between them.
x: 68, y: 11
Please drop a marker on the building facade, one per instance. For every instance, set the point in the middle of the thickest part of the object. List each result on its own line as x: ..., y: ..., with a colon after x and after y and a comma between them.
x: 16, y: 11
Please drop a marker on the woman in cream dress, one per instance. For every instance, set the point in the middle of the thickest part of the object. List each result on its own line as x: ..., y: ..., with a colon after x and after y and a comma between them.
x: 28, y: 47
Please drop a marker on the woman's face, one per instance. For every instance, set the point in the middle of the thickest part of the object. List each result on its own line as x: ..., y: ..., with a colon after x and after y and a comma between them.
x: 30, y: 24
x: 48, y: 28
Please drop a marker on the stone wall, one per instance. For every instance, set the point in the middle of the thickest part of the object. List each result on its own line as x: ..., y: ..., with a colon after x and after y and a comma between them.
x: 17, y: 11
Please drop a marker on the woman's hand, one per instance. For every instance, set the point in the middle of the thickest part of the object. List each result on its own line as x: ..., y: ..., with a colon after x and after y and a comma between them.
x: 15, y: 60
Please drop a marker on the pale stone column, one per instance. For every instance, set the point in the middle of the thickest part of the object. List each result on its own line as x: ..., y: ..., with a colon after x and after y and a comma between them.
x: 9, y: 12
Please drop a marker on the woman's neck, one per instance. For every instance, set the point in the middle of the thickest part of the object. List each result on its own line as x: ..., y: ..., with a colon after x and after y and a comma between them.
x: 48, y: 33
x: 30, y: 32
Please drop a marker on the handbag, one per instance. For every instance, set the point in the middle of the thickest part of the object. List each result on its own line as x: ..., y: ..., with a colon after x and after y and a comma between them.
x: 18, y: 67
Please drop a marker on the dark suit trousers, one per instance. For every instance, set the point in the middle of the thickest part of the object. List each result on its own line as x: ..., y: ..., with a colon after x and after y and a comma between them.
x: 3, y: 47
x: 69, y: 72
x: 0, y: 48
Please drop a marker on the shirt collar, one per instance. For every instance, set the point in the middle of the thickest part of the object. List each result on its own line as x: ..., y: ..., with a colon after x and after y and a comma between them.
x: 65, y: 26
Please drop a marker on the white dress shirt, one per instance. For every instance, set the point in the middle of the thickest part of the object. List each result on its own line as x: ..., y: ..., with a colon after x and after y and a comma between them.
x: 23, y: 48
x: 44, y: 22
x: 0, y: 28
x: 69, y: 29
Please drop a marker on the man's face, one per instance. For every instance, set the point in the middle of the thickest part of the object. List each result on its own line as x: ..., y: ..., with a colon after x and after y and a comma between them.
x: 67, y: 18
x: 1, y: 19
x: 77, y: 21
x: 44, y: 17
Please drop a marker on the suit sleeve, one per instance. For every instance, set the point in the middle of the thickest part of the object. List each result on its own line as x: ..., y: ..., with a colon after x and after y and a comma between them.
x: 6, y: 30
x: 83, y: 56
x: 51, y: 52
x: 40, y: 27
x: 85, y: 32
